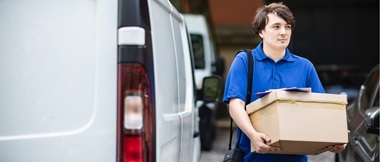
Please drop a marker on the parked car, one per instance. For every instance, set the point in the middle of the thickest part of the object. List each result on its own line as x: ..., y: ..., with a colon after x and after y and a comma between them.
x: 97, y: 81
x: 206, y: 63
x: 363, y: 123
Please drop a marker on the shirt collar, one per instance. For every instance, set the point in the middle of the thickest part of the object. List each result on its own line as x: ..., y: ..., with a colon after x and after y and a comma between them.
x: 261, y: 56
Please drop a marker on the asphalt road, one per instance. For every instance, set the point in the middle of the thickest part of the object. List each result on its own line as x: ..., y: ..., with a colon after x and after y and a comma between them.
x: 220, y: 146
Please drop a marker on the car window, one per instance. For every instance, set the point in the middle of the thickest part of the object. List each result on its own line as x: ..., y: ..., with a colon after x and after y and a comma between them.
x: 198, y: 51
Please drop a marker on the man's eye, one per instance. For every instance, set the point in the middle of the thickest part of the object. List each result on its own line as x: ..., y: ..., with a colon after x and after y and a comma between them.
x: 276, y: 27
x: 288, y: 27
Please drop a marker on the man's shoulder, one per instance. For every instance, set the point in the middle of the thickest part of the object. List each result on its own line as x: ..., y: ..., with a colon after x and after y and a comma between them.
x: 300, y: 59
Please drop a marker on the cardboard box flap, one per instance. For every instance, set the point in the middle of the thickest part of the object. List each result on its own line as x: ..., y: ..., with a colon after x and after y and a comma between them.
x: 291, y: 96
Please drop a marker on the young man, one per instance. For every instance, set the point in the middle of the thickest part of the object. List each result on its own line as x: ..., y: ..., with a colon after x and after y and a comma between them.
x: 274, y: 67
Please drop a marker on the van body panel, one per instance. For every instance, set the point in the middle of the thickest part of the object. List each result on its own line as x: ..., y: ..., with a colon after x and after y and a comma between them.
x: 59, y: 95
x: 164, y: 65
x: 167, y: 109
x: 173, y: 74
x: 59, y: 87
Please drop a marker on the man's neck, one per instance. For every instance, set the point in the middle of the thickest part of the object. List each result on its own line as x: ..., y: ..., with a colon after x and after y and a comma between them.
x: 274, y: 54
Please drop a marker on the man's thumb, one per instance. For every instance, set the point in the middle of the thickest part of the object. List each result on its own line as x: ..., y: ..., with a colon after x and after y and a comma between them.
x: 266, y: 139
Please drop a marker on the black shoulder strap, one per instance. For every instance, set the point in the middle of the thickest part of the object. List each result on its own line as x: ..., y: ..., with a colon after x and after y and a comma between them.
x: 250, y: 76
x: 249, y: 91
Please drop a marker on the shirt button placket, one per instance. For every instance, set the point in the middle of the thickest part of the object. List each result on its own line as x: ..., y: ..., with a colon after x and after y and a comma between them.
x: 276, y: 80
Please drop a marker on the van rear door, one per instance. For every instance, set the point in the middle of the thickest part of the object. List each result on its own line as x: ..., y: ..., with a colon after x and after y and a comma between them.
x: 58, y: 80
x: 173, y: 84
x: 189, y: 143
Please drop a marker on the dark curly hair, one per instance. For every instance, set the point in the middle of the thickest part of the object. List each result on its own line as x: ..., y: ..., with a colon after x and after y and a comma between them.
x: 279, y: 9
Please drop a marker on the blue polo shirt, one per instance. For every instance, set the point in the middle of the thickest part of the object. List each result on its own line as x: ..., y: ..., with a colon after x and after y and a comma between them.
x: 290, y: 71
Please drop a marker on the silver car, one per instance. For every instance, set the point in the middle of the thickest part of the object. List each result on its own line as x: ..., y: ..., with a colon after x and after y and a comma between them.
x: 363, y: 123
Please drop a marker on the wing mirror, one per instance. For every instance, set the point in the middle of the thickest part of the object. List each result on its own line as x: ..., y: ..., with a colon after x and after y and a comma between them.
x: 371, y: 119
x: 211, y: 89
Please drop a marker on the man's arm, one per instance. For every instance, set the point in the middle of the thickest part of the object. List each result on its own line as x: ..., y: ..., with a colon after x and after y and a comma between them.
x: 240, y: 116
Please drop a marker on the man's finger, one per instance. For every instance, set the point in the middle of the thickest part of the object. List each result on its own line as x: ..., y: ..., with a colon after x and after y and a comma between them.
x: 275, y: 149
x: 266, y: 139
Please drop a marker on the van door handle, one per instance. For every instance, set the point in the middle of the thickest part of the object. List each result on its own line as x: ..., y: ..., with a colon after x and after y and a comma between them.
x: 196, y: 134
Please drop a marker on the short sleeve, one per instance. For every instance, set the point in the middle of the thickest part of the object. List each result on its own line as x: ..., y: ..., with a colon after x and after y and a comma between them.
x: 236, y: 80
x: 313, y: 80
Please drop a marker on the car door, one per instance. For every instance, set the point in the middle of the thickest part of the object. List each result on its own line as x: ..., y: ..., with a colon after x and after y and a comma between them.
x: 185, y: 88
x: 168, y: 118
x: 366, y: 145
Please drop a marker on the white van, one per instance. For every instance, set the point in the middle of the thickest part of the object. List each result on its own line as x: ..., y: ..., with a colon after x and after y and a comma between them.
x: 203, y: 47
x: 96, y: 81
x: 206, y: 64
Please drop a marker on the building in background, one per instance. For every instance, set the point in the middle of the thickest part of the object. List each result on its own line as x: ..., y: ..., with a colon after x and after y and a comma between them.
x: 340, y: 37
x: 327, y: 32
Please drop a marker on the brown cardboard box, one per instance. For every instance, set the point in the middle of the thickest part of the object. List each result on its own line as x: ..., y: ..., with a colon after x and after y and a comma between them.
x: 300, y: 122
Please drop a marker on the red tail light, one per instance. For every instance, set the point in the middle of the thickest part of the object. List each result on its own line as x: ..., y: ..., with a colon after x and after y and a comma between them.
x: 133, y: 149
x: 134, y: 114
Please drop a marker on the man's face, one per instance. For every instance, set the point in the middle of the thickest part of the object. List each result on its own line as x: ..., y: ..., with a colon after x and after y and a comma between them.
x: 276, y: 34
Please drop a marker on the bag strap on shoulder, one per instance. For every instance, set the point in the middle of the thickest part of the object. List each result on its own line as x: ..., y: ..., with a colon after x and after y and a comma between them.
x: 249, y: 91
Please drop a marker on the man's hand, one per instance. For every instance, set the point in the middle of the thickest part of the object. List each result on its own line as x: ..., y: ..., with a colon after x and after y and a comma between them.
x: 240, y: 116
x: 337, y: 148
x: 259, y: 141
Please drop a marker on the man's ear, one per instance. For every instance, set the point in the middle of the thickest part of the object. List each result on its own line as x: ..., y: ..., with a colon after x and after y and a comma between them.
x: 261, y: 34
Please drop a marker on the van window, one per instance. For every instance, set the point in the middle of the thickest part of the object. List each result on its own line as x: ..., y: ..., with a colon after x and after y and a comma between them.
x: 198, y: 51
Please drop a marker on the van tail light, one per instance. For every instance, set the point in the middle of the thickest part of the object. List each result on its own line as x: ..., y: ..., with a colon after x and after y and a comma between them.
x: 135, y: 135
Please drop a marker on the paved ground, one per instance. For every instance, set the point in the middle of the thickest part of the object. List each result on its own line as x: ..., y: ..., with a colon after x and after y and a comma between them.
x: 220, y: 146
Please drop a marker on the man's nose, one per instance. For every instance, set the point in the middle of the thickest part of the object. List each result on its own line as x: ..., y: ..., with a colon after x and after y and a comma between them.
x: 282, y: 31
